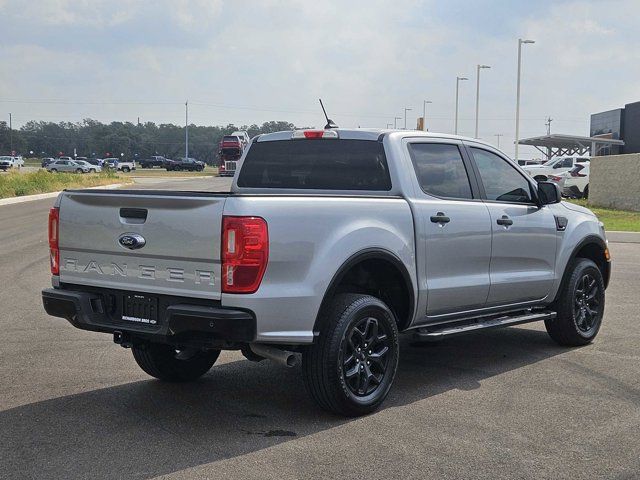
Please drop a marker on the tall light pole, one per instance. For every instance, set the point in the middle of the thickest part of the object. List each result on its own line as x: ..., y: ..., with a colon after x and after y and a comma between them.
x: 405, y: 116
x: 424, y: 114
x: 520, y: 42
x: 11, y: 134
x: 389, y: 125
x: 498, y: 135
x: 479, y: 67
x: 458, y: 80
x: 395, y: 121
x: 186, y: 129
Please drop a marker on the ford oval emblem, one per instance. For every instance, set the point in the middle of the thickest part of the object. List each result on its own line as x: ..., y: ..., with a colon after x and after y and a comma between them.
x: 132, y: 241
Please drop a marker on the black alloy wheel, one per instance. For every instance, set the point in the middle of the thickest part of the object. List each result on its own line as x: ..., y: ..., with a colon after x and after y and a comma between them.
x: 365, y: 358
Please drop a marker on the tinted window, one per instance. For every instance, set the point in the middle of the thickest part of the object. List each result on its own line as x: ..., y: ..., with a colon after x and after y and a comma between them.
x: 502, y: 182
x: 316, y: 164
x: 440, y: 170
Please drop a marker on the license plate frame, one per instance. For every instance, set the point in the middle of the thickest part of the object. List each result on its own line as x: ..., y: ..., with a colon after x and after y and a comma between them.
x: 140, y: 309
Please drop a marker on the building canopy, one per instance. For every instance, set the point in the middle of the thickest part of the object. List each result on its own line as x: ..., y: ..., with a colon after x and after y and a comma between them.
x: 557, y: 145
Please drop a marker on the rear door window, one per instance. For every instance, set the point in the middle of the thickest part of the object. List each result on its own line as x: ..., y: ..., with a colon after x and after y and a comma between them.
x: 330, y: 164
x: 440, y: 170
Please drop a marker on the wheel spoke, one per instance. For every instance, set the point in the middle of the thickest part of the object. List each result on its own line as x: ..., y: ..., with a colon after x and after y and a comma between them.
x: 348, y: 360
x: 371, y: 336
x: 352, y: 371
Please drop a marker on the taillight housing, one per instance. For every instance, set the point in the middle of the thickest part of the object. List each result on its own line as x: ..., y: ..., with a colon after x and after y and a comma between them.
x: 54, y: 235
x: 245, y: 253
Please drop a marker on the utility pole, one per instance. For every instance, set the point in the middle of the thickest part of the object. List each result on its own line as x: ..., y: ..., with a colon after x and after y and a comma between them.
x: 11, y: 133
x: 458, y: 80
x: 480, y: 67
x: 498, y: 135
x: 424, y: 114
x: 389, y: 125
x: 405, y: 116
x: 395, y: 121
x: 186, y: 129
x: 520, y: 43
x: 548, y: 125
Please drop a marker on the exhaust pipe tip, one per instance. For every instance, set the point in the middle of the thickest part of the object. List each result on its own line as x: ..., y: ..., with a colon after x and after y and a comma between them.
x: 283, y: 357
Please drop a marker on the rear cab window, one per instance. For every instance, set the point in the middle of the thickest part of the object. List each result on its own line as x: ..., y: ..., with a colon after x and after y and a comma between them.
x: 322, y: 164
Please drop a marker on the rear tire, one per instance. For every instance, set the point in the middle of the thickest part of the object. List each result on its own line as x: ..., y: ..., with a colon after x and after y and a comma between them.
x: 350, y: 368
x: 78, y: 170
x: 585, y: 194
x: 164, y: 362
x: 53, y: 170
x: 126, y: 169
x: 580, y: 306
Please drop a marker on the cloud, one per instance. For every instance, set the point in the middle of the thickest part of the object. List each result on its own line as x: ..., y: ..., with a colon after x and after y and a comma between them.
x: 257, y: 61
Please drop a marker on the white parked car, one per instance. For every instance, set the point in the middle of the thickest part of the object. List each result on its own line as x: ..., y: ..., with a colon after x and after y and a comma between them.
x: 92, y: 168
x: 575, y: 182
x: 555, y: 166
x: 7, y: 162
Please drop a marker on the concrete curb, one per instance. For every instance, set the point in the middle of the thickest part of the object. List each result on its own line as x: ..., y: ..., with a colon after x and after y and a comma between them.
x: 623, y: 237
x: 42, y: 196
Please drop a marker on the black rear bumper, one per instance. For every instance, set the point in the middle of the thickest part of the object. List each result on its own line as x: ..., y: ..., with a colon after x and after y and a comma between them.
x: 202, y: 323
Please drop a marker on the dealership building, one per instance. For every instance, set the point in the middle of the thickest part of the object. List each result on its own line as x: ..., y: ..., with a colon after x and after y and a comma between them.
x: 619, y: 124
x: 613, y: 132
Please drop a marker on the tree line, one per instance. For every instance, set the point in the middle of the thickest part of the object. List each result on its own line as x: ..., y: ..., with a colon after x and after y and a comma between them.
x: 91, y: 138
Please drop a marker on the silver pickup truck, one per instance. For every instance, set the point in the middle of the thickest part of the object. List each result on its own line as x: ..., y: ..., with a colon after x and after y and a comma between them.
x: 330, y: 243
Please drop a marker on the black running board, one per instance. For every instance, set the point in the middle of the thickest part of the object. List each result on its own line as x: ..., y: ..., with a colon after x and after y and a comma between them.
x: 458, y: 327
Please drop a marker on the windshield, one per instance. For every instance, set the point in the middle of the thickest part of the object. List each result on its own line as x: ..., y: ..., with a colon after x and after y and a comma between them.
x: 316, y: 164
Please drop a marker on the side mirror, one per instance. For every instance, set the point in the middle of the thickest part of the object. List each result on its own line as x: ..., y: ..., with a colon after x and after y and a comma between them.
x: 548, y: 193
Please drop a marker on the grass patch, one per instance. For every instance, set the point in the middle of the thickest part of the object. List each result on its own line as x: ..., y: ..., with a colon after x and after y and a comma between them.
x: 614, y: 220
x: 161, y: 172
x: 15, y: 184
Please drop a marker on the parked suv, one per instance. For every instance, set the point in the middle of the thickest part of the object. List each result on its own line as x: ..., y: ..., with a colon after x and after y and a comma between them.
x: 330, y: 245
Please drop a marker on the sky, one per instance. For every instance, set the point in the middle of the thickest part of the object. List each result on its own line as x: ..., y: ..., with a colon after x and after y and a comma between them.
x: 247, y: 62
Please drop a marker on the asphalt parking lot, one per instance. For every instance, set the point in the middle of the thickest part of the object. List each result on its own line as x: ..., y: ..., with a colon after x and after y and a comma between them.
x: 498, y: 404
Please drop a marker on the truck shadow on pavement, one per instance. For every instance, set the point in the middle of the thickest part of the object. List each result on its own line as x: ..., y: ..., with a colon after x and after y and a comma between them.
x: 147, y: 428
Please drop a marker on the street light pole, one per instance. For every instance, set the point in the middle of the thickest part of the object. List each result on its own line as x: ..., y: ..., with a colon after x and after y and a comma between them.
x: 186, y: 129
x: 389, y: 125
x: 480, y: 67
x: 458, y: 79
x: 405, y: 116
x: 498, y: 135
x: 395, y: 121
x: 424, y: 114
x: 11, y: 133
x: 520, y: 42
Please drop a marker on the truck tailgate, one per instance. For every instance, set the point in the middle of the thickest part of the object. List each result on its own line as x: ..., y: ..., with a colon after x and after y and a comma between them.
x: 151, y: 242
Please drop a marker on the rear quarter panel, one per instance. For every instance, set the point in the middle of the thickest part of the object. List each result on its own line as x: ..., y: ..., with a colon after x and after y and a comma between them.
x: 310, y: 238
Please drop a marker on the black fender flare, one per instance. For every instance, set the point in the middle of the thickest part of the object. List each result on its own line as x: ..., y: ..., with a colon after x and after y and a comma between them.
x: 589, y: 239
x: 367, y: 254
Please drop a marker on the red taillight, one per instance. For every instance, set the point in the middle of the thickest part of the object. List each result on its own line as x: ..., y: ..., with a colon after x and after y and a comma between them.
x: 576, y: 174
x: 54, y: 232
x: 555, y: 178
x: 245, y: 252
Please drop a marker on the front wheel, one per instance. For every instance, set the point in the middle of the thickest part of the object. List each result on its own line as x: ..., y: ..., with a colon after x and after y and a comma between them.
x: 351, y: 366
x: 78, y: 170
x: 126, y: 169
x: 580, y: 307
x: 170, y: 364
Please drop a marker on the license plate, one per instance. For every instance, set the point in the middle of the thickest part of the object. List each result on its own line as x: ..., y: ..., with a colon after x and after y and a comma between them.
x: 140, y: 309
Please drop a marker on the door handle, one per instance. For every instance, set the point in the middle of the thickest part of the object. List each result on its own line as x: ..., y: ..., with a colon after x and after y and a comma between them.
x: 505, y: 221
x: 440, y: 218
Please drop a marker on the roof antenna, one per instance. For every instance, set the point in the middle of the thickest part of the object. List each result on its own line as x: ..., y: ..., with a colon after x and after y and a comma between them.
x: 330, y: 123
